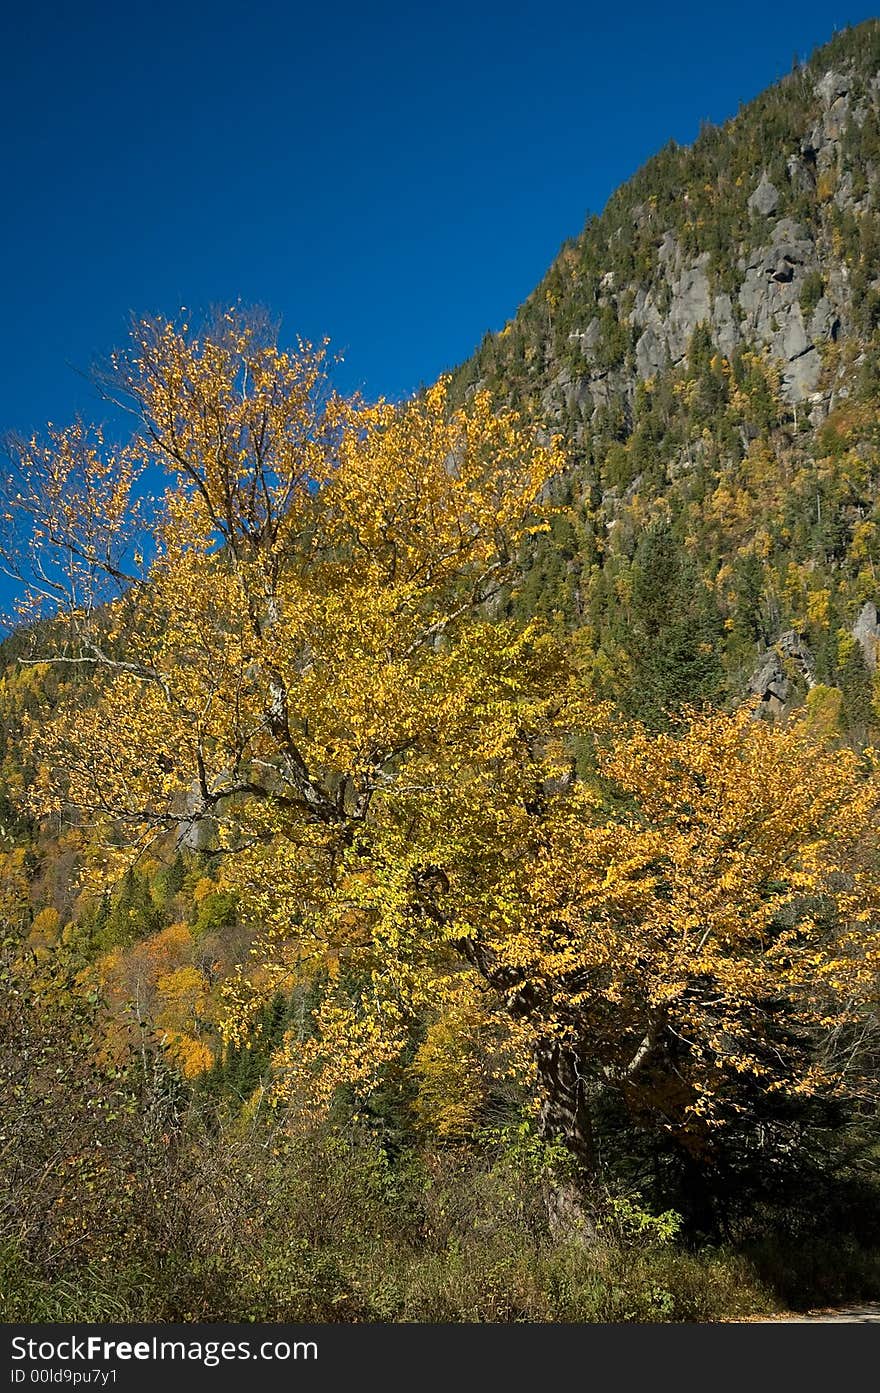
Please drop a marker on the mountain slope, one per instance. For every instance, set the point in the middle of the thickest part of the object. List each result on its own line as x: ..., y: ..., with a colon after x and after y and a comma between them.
x: 708, y: 347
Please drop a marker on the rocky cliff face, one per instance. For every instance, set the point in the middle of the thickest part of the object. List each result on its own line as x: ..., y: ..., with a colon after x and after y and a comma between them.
x: 757, y: 252
x: 766, y: 307
x: 709, y: 348
x: 765, y: 312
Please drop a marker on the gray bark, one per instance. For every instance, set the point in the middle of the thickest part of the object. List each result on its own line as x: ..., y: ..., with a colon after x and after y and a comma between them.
x: 565, y: 1118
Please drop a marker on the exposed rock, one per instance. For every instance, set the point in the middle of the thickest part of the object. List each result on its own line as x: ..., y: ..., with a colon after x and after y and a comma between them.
x: 824, y: 322
x: 791, y: 645
x: 727, y: 334
x: 866, y: 631
x: 765, y: 199
x: 771, y: 680
x: 668, y: 249
x: 831, y: 86
x: 790, y: 340
x: 650, y: 353
x: 800, y: 173
x: 820, y: 405
x: 837, y: 119
x: 770, y: 300
x: 590, y: 336
x: 819, y: 147
x: 691, y: 305
x: 843, y: 194
x: 744, y: 295
x: 801, y: 374
x: 666, y: 336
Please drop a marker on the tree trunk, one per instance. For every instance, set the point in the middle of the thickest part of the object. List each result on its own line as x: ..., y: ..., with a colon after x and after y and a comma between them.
x: 566, y: 1119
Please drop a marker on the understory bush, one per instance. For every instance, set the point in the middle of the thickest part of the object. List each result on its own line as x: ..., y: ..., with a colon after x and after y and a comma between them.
x: 273, y: 1222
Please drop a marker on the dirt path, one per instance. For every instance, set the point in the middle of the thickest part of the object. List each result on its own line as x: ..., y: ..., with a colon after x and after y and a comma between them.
x: 860, y: 1315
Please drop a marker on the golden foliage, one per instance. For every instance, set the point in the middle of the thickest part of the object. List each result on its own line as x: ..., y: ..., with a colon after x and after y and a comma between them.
x: 45, y: 928
x: 312, y: 670
x: 450, y: 1065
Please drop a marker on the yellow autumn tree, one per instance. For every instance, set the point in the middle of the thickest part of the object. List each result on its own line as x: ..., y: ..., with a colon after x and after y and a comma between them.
x: 709, y: 942
x: 689, y: 935
x: 310, y: 667
x: 301, y: 656
x: 301, y: 627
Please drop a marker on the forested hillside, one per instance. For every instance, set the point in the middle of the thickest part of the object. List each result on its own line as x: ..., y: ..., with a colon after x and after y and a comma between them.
x: 440, y: 845
x: 708, y: 349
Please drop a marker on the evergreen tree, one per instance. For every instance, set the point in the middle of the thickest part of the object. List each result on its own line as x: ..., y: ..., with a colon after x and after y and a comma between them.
x: 673, y: 638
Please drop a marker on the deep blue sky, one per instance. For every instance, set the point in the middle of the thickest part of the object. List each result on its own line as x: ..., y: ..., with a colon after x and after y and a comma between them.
x: 397, y: 176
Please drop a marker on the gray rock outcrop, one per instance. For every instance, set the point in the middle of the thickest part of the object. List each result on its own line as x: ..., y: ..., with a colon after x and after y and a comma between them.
x: 767, y: 311
x: 770, y: 301
x: 866, y: 632
x: 765, y: 199
x: 772, y: 678
x: 666, y: 333
x: 787, y: 297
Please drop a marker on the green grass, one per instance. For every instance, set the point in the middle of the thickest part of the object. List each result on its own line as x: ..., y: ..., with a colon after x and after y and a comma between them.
x: 322, y: 1227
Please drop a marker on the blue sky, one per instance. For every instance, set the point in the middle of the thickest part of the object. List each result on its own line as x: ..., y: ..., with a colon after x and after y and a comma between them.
x: 396, y: 176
